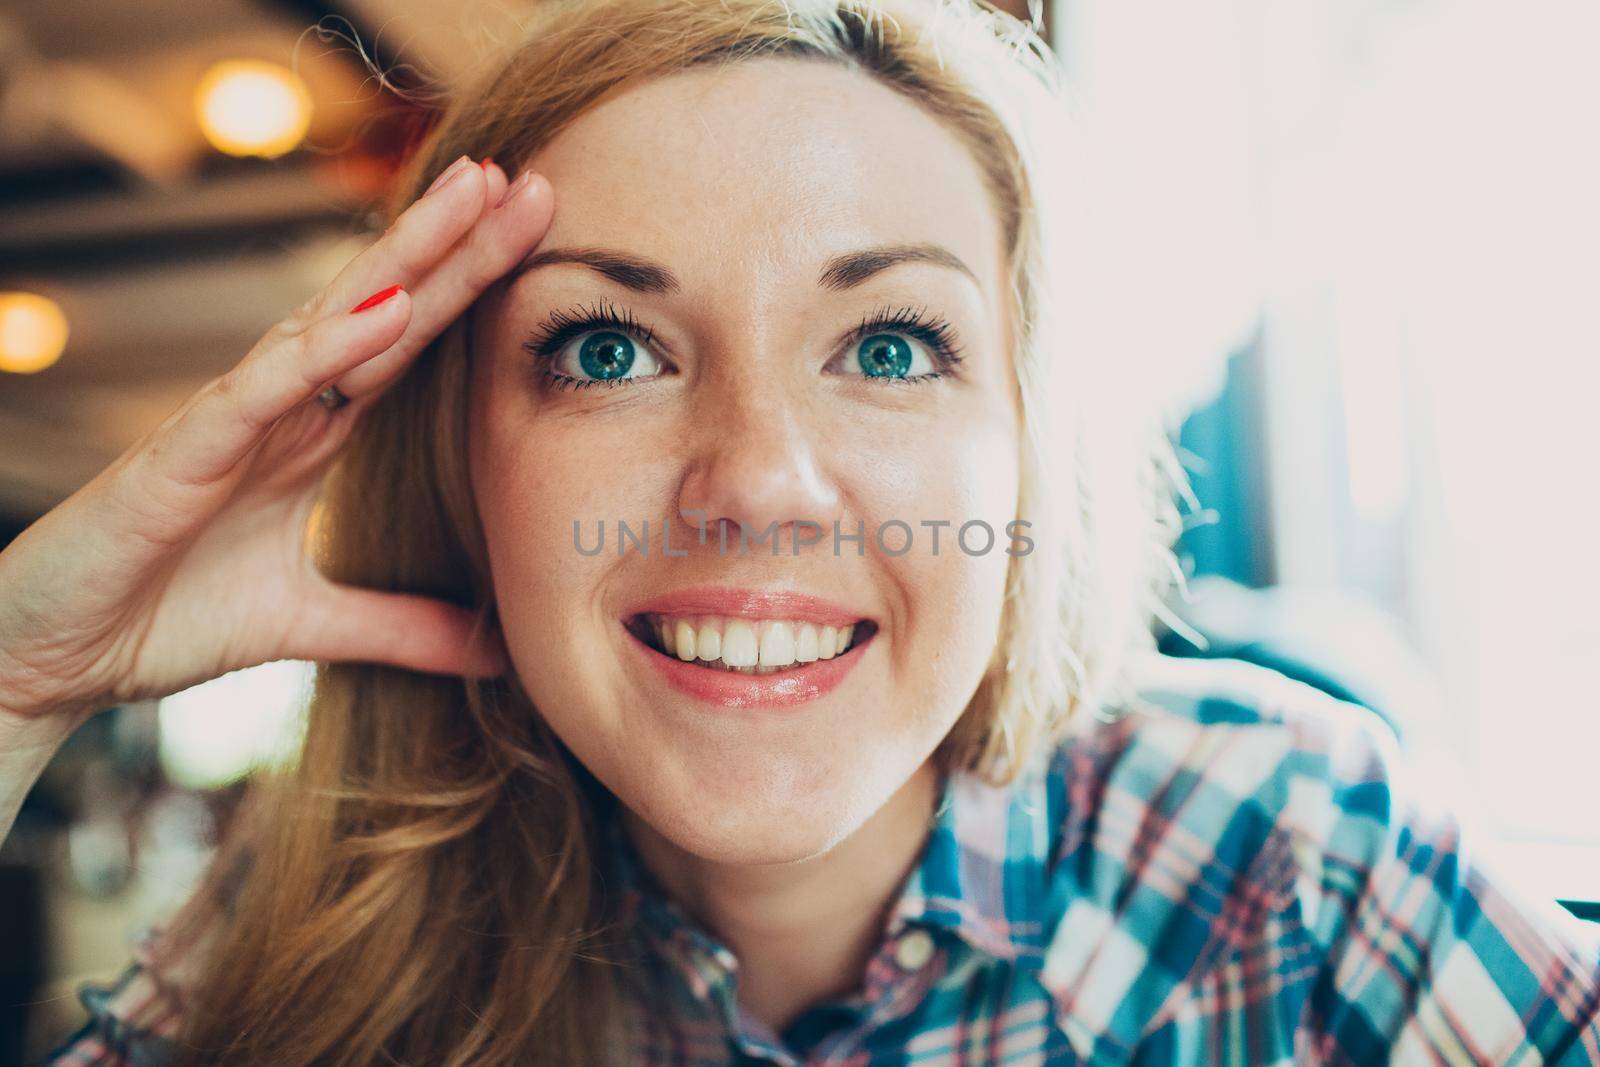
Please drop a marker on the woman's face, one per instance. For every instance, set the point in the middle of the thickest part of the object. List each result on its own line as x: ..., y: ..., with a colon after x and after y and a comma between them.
x: 774, y: 256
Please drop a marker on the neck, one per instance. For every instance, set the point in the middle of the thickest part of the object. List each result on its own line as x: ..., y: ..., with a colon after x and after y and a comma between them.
x: 802, y: 932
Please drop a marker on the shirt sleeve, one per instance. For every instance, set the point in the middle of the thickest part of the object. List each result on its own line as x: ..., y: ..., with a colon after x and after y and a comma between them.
x: 133, y: 1021
x: 1427, y: 957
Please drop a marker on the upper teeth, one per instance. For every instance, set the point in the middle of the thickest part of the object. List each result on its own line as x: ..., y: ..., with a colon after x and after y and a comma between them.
x: 757, y: 645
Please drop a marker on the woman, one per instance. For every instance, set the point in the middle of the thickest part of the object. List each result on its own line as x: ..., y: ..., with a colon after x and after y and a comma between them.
x: 654, y: 728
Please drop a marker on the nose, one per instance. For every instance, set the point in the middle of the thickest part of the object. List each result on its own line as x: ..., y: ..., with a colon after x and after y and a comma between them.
x: 755, y: 471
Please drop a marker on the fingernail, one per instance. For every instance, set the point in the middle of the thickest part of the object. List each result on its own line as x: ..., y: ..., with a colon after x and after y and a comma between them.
x: 375, y: 299
x: 449, y: 172
x: 488, y: 161
x: 515, y: 187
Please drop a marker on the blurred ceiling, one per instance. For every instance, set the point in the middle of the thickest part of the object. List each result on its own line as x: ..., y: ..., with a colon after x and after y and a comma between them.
x: 168, y: 258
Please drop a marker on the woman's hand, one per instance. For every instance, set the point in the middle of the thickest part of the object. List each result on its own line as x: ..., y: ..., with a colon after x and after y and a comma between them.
x: 186, y: 559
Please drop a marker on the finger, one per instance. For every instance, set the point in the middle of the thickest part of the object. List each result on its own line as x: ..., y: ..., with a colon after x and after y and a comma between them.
x: 497, y: 181
x: 231, y: 415
x: 412, y: 245
x: 208, y: 437
x: 501, y: 240
x: 415, y: 632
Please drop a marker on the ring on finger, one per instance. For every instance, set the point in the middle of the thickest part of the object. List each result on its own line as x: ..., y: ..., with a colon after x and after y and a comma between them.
x: 331, y: 398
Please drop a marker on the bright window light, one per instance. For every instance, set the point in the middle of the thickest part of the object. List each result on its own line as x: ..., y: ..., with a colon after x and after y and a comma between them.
x: 219, y: 731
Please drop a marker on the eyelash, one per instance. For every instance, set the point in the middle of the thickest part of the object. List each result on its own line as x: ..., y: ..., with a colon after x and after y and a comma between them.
x: 932, y: 330
x: 550, y: 336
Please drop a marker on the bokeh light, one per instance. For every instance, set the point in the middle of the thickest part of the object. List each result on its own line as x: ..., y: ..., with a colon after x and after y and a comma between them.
x: 251, y: 107
x: 33, y: 332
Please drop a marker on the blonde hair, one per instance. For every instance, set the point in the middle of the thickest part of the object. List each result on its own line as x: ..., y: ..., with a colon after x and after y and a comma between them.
x: 422, y: 885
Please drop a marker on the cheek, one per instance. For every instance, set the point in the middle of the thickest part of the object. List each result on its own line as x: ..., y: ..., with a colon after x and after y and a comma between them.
x: 956, y: 491
x: 534, y: 478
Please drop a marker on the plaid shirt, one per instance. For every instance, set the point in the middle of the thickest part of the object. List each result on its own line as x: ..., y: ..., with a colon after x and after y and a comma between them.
x: 1230, y: 872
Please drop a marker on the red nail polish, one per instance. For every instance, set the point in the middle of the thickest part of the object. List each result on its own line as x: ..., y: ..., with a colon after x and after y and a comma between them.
x: 488, y: 161
x: 375, y: 299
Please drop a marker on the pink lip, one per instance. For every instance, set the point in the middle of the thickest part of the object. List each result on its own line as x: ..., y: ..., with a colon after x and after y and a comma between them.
x: 727, y: 689
x: 748, y: 604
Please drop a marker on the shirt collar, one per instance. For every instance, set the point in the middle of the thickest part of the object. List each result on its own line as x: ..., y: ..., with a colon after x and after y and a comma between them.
x: 697, y: 955
x: 983, y: 872
x: 982, y: 876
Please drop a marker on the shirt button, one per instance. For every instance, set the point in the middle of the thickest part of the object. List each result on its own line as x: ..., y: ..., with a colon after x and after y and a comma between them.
x: 914, y: 950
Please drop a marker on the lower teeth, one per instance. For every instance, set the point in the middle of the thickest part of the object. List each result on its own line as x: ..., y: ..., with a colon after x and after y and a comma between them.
x: 719, y: 665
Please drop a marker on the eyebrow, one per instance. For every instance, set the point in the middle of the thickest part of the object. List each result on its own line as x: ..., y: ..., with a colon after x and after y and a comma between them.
x: 852, y: 268
x: 845, y: 271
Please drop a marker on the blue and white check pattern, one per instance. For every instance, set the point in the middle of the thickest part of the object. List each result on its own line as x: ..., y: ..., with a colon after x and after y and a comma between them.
x: 1233, y: 872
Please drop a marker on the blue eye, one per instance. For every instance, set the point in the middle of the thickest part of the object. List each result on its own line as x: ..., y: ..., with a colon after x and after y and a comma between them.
x: 884, y: 355
x: 603, y: 345
x: 602, y: 356
x: 606, y: 355
x: 599, y: 345
x: 901, y: 345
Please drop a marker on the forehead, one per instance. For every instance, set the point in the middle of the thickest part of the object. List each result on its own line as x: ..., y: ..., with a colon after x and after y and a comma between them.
x: 766, y: 167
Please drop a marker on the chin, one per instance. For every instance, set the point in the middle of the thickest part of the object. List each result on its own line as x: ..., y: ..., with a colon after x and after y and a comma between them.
x: 759, y: 842
x: 765, y: 815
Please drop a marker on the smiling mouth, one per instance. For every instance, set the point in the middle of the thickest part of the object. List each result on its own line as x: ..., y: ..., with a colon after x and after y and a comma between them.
x: 747, y: 646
